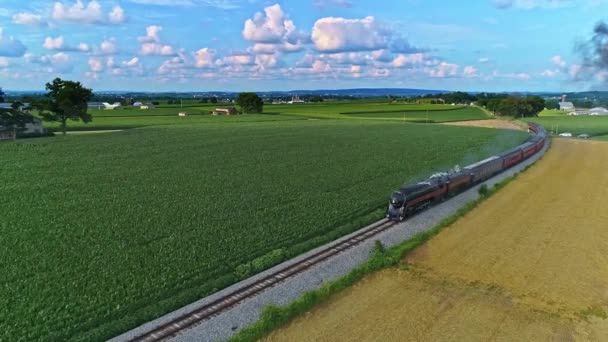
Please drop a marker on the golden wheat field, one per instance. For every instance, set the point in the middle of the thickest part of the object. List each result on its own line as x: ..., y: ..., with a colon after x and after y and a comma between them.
x: 529, y: 264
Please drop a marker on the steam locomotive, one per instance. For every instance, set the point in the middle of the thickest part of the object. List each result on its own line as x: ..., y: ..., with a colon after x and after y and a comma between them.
x: 413, y: 198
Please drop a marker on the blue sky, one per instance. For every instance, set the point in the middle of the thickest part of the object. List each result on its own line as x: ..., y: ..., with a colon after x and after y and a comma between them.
x: 204, y: 45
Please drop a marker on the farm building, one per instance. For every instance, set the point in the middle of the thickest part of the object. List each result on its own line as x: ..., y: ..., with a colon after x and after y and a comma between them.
x: 8, y: 105
x: 95, y: 105
x: 592, y: 111
x: 295, y: 99
x: 138, y: 104
x: 225, y: 111
x: 34, y: 127
x: 566, y: 106
x: 182, y: 114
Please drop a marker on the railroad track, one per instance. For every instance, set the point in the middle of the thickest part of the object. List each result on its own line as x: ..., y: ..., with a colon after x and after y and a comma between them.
x: 206, y: 311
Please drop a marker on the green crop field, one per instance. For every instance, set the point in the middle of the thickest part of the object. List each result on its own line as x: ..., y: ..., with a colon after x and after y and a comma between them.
x: 101, y: 233
x: 158, y: 111
x: 347, y: 109
x: 459, y: 114
x: 552, y: 112
x: 592, y: 125
x: 127, y: 122
x: 125, y: 118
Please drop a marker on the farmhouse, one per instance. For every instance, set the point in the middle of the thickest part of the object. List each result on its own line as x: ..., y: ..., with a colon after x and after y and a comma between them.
x: 182, y: 114
x: 225, y: 111
x: 138, y: 104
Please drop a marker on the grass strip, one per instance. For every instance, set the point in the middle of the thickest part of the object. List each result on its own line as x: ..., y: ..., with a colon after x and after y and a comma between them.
x: 274, y: 317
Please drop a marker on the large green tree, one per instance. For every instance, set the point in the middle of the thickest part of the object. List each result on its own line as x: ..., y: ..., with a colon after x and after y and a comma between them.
x: 65, y: 100
x: 250, y: 103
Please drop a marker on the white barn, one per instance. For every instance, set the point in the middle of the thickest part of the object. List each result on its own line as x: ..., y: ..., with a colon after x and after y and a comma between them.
x: 566, y: 106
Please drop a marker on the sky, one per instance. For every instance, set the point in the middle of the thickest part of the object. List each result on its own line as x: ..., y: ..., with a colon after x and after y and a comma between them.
x: 260, y: 45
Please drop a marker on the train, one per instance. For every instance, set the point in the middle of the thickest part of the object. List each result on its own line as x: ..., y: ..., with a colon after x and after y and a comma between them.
x: 413, y: 198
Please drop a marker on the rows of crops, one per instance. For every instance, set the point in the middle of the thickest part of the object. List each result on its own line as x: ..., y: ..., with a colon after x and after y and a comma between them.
x: 458, y: 114
x: 126, y: 122
x: 133, y: 117
x: 100, y: 235
x: 592, y: 125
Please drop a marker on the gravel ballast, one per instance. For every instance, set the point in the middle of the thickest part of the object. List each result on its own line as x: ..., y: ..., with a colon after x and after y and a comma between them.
x: 227, y: 323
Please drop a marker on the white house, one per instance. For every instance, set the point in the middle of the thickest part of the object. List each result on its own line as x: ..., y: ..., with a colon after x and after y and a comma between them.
x: 138, y: 104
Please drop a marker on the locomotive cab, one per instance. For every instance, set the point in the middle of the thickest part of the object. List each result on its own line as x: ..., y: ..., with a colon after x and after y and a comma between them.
x: 396, y: 204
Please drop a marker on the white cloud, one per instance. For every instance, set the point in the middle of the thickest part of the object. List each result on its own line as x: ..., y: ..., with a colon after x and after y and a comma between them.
x: 56, y: 63
x: 4, y: 62
x: 53, y: 43
x: 267, y: 61
x: 29, y: 19
x: 355, y: 71
x: 484, y: 60
x: 273, y: 31
x: 444, y: 70
x: 117, y: 15
x: 469, y: 71
x: 237, y: 60
x: 549, y: 73
x: 334, y: 34
x: 10, y: 47
x: 152, y: 34
x: 58, y: 44
x: 340, y: 34
x: 558, y: 61
x: 83, y: 47
x: 108, y: 47
x: 522, y: 76
x: 87, y: 13
x: 152, y: 49
x: 133, y: 62
x: 96, y: 64
x: 402, y: 60
x: 204, y: 58
x: 174, y: 66
x: 152, y: 45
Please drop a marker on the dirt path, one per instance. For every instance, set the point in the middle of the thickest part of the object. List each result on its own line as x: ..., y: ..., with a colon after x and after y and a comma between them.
x: 491, y: 123
x: 531, y: 263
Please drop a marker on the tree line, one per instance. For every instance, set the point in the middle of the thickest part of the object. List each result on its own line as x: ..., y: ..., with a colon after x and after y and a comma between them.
x: 68, y: 101
x: 499, y: 104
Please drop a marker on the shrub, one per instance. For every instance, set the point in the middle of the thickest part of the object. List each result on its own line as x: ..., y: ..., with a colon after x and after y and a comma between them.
x: 483, y: 190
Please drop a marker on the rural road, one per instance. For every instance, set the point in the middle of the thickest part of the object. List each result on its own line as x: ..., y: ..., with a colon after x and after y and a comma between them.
x: 228, y: 322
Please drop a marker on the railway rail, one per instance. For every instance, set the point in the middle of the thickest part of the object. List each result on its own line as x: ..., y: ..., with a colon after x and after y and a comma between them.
x: 206, y: 311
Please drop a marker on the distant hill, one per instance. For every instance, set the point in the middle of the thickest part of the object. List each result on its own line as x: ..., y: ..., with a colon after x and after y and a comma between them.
x: 357, y: 92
